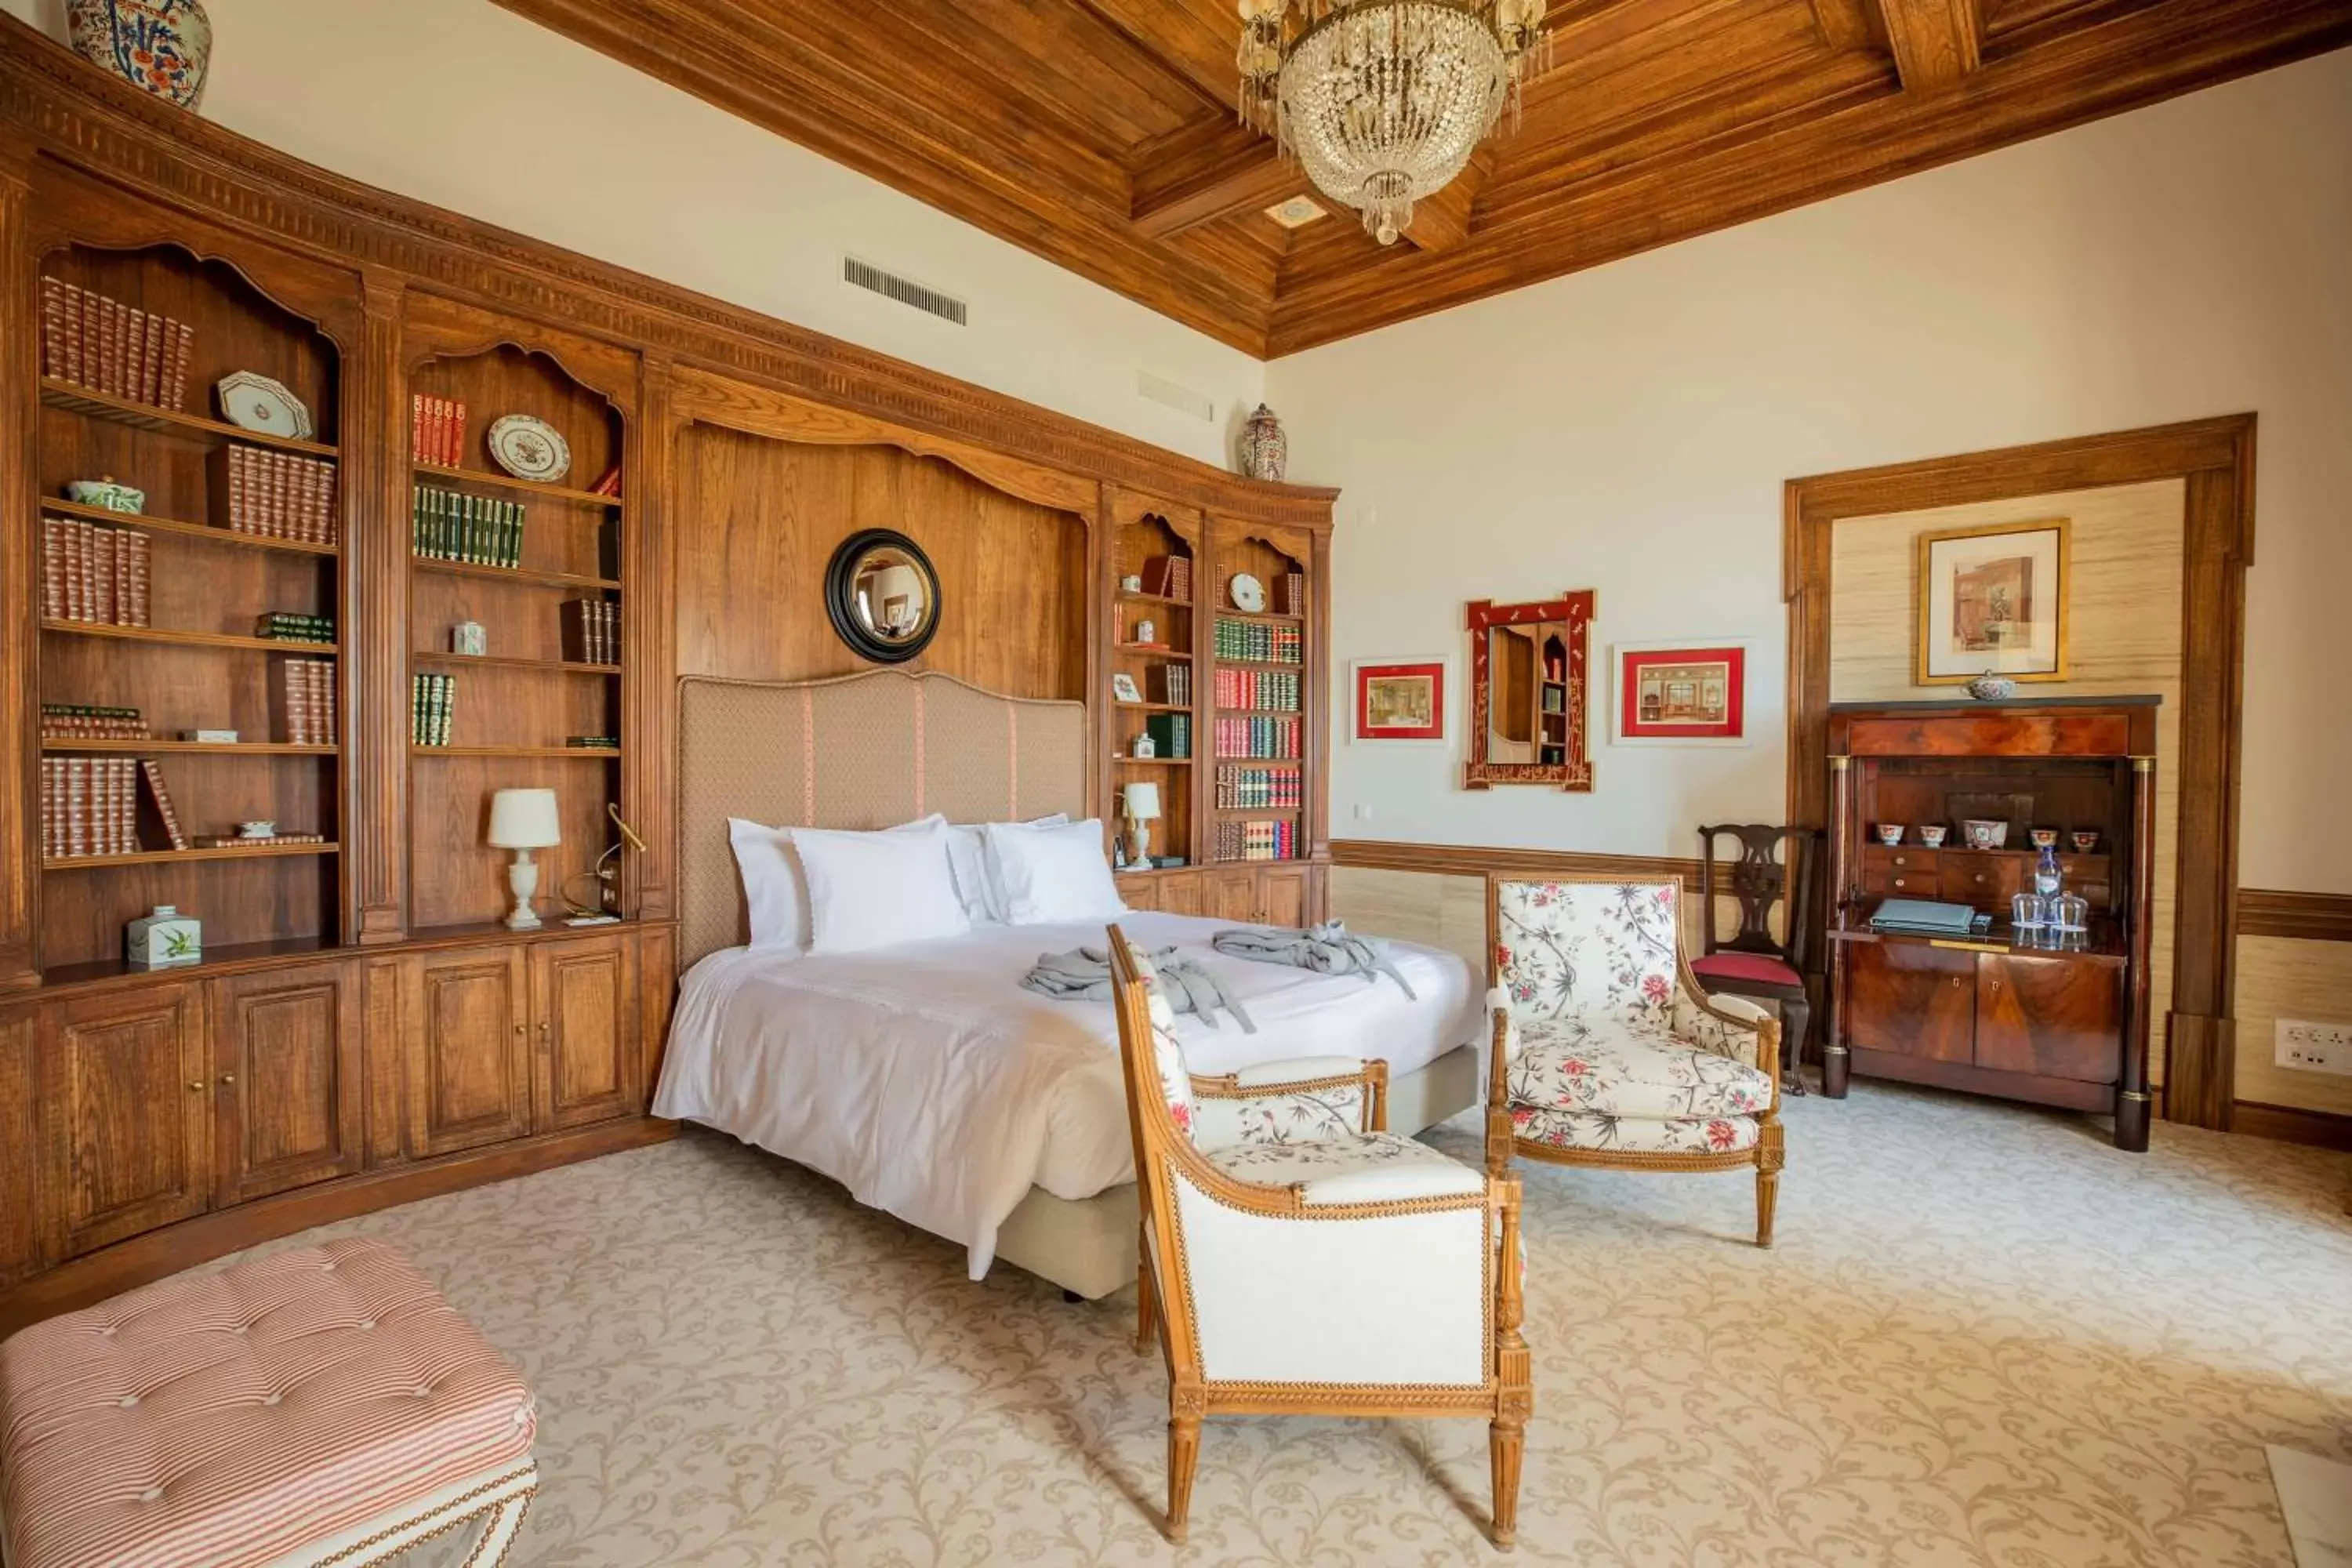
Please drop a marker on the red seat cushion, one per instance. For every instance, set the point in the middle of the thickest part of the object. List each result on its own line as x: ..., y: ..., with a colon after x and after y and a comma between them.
x: 1761, y: 968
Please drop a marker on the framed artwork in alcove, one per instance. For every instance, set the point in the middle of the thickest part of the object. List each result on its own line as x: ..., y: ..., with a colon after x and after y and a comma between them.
x: 1993, y: 600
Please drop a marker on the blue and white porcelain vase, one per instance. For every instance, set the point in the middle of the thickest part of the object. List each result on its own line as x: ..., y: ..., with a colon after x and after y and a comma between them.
x: 163, y: 45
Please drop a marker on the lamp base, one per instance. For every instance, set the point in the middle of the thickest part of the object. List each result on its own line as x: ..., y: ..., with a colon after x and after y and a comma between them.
x: 1139, y: 842
x: 522, y: 882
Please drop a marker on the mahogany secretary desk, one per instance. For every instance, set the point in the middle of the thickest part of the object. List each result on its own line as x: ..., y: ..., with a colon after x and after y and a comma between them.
x: 2023, y: 1014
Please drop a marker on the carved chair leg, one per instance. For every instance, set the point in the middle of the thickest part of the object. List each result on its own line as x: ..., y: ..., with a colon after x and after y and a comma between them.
x: 1184, y: 1458
x: 1506, y: 1442
x: 1770, y: 1156
x: 1796, y: 1017
x: 1144, y: 1304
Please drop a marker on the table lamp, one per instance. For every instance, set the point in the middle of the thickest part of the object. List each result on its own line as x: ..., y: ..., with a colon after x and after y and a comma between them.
x: 523, y: 820
x: 1142, y: 804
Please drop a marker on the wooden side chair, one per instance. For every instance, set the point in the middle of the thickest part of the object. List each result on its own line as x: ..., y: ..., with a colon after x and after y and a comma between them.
x: 1606, y: 1051
x: 1339, y: 1269
x: 1774, y: 867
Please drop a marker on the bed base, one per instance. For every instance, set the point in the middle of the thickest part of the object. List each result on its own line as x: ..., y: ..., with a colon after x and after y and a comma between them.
x: 1088, y: 1247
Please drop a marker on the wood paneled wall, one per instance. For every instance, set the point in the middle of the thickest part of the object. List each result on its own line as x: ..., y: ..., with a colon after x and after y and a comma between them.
x: 758, y: 521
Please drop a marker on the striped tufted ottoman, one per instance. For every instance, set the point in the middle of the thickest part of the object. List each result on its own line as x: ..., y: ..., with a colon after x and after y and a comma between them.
x: 322, y: 1407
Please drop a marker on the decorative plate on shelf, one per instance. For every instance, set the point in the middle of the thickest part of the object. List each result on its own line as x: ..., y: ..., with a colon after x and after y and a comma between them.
x: 1249, y: 594
x: 254, y: 401
x: 530, y: 448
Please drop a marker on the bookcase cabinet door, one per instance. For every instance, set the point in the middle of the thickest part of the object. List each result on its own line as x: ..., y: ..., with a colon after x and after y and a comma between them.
x: 287, y: 1081
x: 128, y: 1111
x: 1283, y: 897
x: 1234, y: 896
x: 584, y: 994
x: 469, y: 1065
x: 24, y: 1244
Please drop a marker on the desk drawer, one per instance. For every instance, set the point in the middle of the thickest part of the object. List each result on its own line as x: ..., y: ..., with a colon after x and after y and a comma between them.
x: 1907, y: 883
x: 1986, y: 881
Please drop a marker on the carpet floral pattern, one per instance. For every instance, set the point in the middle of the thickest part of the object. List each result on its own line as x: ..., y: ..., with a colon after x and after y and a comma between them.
x: 1985, y: 1338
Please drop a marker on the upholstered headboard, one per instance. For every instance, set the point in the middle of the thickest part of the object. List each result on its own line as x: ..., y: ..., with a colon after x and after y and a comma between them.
x: 860, y: 752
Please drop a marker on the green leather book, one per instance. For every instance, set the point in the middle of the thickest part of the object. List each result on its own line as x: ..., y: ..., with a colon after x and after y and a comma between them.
x: 1921, y: 916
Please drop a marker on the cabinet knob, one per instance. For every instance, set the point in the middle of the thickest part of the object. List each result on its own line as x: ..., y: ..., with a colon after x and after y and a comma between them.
x: 1980, y: 876
x: 1956, y: 980
x: 1900, y: 883
x: 1903, y: 860
x: 227, y: 1078
x: 542, y: 1028
x: 195, y: 1086
x: 519, y: 1028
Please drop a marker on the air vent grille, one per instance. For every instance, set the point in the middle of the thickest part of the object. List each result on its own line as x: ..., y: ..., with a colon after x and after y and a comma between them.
x: 906, y: 291
x: 1184, y: 399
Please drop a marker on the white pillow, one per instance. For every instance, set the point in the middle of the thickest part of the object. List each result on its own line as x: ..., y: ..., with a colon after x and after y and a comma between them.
x: 1051, y: 874
x: 878, y: 889
x: 773, y: 890
x: 968, y: 852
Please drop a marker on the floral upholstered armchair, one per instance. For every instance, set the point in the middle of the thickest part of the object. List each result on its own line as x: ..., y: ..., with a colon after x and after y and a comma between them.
x: 1606, y: 1052
x: 1300, y: 1259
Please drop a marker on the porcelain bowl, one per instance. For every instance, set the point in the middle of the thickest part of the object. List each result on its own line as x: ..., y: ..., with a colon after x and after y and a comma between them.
x: 1978, y: 834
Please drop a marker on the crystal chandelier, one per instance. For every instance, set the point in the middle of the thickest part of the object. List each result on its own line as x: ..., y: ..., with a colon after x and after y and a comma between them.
x: 1384, y: 100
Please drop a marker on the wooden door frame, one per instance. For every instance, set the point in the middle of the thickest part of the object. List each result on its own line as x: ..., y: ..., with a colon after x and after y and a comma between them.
x: 2215, y: 461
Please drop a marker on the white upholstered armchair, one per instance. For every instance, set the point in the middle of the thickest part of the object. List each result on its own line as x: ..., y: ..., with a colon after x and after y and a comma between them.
x: 1606, y: 1051
x: 1298, y: 1260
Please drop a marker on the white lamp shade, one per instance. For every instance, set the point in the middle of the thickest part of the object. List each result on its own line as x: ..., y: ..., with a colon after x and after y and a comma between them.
x: 524, y: 819
x: 1143, y: 802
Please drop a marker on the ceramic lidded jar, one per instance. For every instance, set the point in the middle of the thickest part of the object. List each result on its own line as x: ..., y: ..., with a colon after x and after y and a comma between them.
x: 163, y: 939
x: 163, y: 45
x: 1265, y: 450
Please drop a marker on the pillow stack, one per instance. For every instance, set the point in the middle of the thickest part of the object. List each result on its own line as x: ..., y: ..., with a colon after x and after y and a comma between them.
x: 822, y: 890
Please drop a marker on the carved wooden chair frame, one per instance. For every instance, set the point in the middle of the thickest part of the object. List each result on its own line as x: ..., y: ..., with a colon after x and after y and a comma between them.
x: 1769, y: 1155
x: 1506, y: 1396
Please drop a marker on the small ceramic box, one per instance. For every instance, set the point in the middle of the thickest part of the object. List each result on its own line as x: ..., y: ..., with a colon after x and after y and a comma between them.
x: 166, y: 937
x: 470, y: 637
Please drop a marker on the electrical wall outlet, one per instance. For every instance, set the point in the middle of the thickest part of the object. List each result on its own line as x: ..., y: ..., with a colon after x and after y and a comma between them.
x: 2314, y: 1047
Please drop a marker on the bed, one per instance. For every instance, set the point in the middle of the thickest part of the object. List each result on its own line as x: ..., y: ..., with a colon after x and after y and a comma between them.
x: 921, y: 1076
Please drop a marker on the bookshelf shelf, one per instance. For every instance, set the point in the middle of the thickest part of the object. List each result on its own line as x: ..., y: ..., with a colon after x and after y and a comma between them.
x: 1126, y: 761
x: 178, y: 856
x: 1154, y: 650
x: 177, y: 530
x: 1262, y: 712
x: 186, y: 749
x: 499, y: 661
x: 532, y: 488
x: 192, y: 639
x: 1269, y: 618
x: 513, y: 575
x: 81, y: 400
x: 570, y: 753
x: 1126, y: 596
x: 1153, y: 707
x: 1285, y: 663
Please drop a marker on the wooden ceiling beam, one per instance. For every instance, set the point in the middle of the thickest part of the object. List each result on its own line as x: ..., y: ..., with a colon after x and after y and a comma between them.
x: 1441, y: 221
x: 1935, y: 42
x: 1214, y: 169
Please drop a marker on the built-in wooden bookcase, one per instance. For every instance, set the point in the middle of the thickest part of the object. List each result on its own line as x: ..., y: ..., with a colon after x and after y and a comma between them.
x: 197, y: 663
x: 1153, y: 644
x: 1263, y: 680
x: 1247, y: 827
x: 519, y: 712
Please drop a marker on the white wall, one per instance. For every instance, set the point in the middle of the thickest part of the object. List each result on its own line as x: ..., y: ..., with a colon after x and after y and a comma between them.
x: 474, y: 108
x: 1628, y: 430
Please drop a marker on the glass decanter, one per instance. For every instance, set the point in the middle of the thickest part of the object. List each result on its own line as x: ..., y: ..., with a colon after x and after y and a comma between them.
x: 2046, y: 877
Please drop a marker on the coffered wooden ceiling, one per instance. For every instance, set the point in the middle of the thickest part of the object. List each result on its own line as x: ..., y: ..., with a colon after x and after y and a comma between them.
x: 1100, y: 134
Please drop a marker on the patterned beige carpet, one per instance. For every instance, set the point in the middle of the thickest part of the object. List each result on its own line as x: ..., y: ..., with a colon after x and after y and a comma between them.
x: 1986, y: 1337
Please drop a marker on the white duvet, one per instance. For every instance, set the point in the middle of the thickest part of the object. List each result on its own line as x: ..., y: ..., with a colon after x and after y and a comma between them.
x: 928, y: 1082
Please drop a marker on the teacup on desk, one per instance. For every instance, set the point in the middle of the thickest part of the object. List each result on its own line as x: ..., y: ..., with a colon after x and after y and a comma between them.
x: 1931, y: 834
x: 2084, y: 839
x: 2042, y: 837
x: 1890, y: 834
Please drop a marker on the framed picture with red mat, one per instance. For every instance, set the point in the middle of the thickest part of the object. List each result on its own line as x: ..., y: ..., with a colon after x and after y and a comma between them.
x: 1681, y: 694
x: 1399, y: 700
